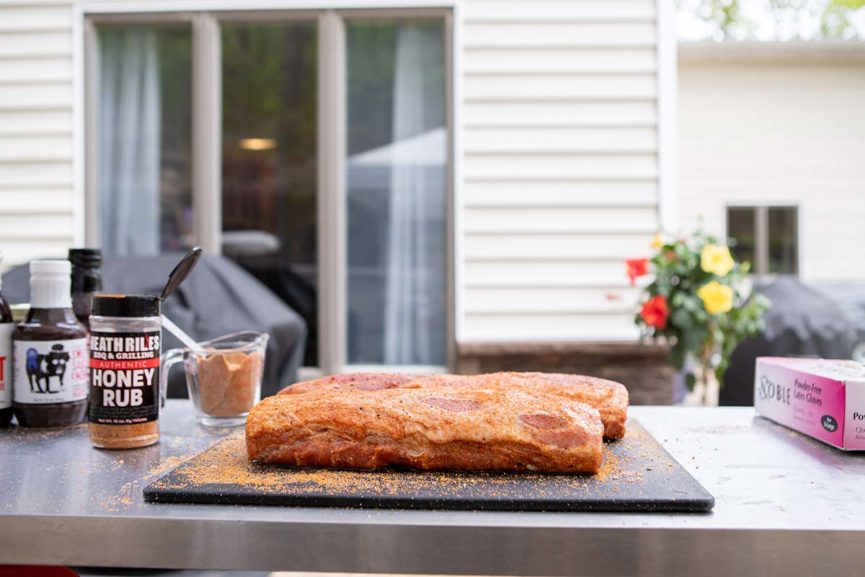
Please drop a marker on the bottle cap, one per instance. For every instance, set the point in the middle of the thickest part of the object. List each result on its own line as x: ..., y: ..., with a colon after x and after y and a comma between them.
x: 50, y: 267
x: 85, y: 257
x: 125, y: 306
x: 50, y: 284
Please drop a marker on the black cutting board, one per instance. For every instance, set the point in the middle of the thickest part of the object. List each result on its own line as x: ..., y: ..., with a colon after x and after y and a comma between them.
x: 638, y: 475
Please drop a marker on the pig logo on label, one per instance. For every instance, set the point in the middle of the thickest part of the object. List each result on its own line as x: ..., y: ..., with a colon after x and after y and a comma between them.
x: 40, y: 369
x: 829, y: 423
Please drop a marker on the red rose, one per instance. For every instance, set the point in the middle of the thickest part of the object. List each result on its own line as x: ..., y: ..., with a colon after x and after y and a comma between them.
x: 655, y: 312
x: 637, y: 267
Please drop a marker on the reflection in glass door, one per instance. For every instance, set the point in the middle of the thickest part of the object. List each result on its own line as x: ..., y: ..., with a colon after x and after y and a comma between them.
x: 144, y: 143
x: 269, y: 192
x: 397, y: 181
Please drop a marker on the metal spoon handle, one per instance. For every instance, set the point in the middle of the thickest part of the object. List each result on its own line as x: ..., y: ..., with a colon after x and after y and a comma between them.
x: 188, y: 341
x: 181, y: 271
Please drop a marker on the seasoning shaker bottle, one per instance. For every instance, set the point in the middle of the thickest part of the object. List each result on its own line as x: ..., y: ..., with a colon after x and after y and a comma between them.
x: 125, y: 346
x: 6, y: 327
x: 86, y: 280
x: 49, y: 353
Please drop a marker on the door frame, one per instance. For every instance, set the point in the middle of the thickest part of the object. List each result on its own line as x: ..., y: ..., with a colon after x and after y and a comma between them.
x: 204, y: 17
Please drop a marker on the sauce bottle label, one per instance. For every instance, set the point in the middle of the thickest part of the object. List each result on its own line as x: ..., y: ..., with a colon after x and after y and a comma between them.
x: 6, y: 364
x: 49, y: 371
x: 124, y: 377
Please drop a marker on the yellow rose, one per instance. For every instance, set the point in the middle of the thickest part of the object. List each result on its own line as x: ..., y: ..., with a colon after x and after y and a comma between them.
x: 716, y: 259
x: 717, y: 298
x: 658, y: 241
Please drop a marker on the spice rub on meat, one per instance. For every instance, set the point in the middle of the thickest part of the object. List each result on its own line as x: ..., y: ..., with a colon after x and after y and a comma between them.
x: 445, y: 429
x: 360, y: 381
x: 608, y: 397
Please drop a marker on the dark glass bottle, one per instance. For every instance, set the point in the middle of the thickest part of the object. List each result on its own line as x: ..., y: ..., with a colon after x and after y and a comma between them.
x: 6, y: 328
x: 86, y: 280
x: 49, y: 350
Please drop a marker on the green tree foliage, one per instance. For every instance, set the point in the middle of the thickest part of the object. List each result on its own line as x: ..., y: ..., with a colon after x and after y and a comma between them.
x: 835, y: 20
x: 778, y: 19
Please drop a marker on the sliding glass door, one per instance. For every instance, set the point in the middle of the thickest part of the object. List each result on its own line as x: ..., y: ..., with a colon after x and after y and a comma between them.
x: 269, y: 160
x: 397, y: 192
x: 333, y: 164
x: 144, y: 139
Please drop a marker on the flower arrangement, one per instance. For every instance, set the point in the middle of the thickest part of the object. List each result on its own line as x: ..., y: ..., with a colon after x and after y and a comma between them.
x: 699, y: 299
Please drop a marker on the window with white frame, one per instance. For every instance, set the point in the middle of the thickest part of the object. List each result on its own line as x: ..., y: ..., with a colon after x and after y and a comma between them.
x: 765, y: 236
x: 312, y: 148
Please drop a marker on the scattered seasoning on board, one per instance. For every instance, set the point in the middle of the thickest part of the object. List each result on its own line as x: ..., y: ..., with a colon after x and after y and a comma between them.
x: 227, y: 464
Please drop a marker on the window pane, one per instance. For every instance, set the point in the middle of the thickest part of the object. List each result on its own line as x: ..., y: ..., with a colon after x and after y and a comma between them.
x: 145, y: 139
x: 783, y: 240
x: 397, y: 187
x: 269, y: 160
x: 741, y: 228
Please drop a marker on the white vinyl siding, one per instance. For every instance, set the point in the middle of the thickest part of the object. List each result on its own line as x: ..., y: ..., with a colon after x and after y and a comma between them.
x: 784, y: 130
x: 537, y: 114
x: 559, y: 174
x: 36, y: 151
x: 560, y: 167
x: 558, y: 11
x: 36, y: 17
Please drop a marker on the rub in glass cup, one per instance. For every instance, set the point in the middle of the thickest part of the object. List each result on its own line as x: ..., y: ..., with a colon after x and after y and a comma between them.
x: 224, y: 380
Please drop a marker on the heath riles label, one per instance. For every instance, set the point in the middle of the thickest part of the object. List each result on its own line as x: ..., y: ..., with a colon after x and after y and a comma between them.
x: 49, y: 371
x: 124, y: 377
x: 6, y: 364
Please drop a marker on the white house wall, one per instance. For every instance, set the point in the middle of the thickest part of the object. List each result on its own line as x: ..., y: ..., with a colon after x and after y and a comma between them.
x: 36, y: 197
x: 775, y: 132
x: 560, y: 167
x: 559, y: 174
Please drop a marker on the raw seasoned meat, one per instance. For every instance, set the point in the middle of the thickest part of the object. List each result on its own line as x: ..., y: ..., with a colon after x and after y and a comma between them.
x: 608, y: 397
x: 361, y: 381
x: 428, y: 429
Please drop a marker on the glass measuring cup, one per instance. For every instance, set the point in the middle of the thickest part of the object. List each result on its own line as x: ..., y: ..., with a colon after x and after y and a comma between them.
x: 224, y: 379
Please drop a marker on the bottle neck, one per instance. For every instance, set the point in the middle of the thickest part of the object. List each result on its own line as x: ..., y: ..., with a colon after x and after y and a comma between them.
x: 86, y: 280
x: 53, y: 316
x: 5, y: 310
x: 50, y: 293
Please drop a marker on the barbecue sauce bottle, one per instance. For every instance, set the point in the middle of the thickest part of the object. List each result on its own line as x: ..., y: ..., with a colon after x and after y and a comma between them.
x: 6, y: 328
x: 86, y: 280
x: 49, y: 352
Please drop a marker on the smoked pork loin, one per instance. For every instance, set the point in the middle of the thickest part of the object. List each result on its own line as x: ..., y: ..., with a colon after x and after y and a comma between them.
x: 608, y: 397
x: 445, y: 428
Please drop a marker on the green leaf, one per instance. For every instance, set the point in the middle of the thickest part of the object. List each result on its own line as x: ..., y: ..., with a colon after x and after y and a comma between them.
x: 682, y: 319
x: 690, y: 380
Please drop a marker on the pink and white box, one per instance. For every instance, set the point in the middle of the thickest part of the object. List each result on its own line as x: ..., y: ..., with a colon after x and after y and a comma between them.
x: 822, y: 398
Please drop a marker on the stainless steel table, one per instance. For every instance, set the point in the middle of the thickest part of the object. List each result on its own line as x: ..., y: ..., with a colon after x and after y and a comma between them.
x: 785, y: 504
